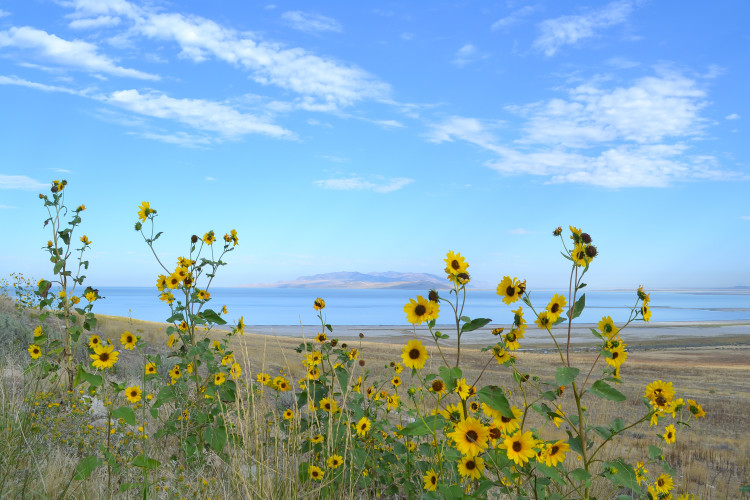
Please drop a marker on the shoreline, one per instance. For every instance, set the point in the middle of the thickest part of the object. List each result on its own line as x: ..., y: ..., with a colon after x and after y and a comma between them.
x: 638, y: 336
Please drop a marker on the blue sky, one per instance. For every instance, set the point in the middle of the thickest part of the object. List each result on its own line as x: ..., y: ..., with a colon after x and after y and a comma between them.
x: 376, y: 136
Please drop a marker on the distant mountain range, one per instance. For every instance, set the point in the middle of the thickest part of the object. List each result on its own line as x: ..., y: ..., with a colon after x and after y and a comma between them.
x: 346, y: 279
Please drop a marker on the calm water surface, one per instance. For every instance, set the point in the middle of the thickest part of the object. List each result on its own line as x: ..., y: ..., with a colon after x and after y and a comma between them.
x: 292, y: 306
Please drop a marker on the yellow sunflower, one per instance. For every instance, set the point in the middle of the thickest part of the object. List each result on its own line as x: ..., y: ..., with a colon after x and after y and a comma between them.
x: 414, y: 354
x: 329, y: 404
x: 334, y: 461
x: 396, y: 381
x: 618, y: 356
x: 219, y: 378
x: 502, y: 355
x: 554, y: 453
x: 418, y: 311
x: 175, y: 373
x: 430, y: 480
x: 235, y: 371
x: 578, y: 254
x: 281, y: 384
x: 104, y: 357
x: 315, y: 472
x: 128, y: 340
x: 544, y: 320
x: 670, y: 434
x: 38, y: 332
x: 288, y: 414
x: 664, y: 484
x: 556, y: 305
x: 471, y: 467
x: 462, y: 388
x: 144, y: 211
x: 520, y: 447
x: 35, y: 351
x: 506, y: 424
x: 696, y: 409
x: 209, y: 238
x: 455, y: 264
x: 646, y: 312
x: 263, y: 378
x: 509, y: 289
x: 470, y: 436
x: 363, y: 426
x: 133, y: 394
x: 607, y: 327
x: 319, y: 304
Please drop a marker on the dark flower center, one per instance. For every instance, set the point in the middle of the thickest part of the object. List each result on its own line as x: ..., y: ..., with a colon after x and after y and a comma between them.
x: 455, y: 265
x: 437, y: 385
x: 510, y: 291
x: 495, y: 433
x: 414, y: 354
x: 661, y: 400
x: 470, y: 465
x: 555, y: 307
x: 660, y: 482
x: 420, y: 310
x: 104, y: 357
x: 472, y: 436
x: 505, y: 419
x: 554, y: 450
x: 433, y: 479
x: 615, y: 355
x: 517, y: 446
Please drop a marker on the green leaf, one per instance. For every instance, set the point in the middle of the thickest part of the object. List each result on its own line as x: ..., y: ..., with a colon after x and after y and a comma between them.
x: 745, y: 488
x: 603, y: 432
x: 219, y: 438
x: 86, y: 466
x: 130, y: 486
x: 566, y: 374
x: 580, y: 474
x: 625, y: 475
x: 175, y: 317
x: 416, y: 428
x: 603, y: 390
x: 126, y: 413
x: 213, y: 317
x: 145, y: 462
x: 494, y: 397
x: 550, y: 472
x: 578, y: 307
x: 83, y: 376
x: 474, y: 324
x: 654, y: 452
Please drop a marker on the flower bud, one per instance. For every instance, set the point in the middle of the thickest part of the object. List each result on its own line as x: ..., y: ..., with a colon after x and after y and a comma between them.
x: 557, y: 231
x: 591, y: 251
x: 586, y: 238
x: 194, y: 239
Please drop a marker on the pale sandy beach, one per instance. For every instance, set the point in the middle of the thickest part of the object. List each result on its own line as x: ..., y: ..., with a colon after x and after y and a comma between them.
x: 636, y: 335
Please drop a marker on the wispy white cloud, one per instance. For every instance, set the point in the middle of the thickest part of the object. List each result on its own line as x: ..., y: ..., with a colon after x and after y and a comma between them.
x: 514, y: 17
x: 358, y: 184
x: 568, y: 30
x: 14, y: 80
x: 617, y: 137
x: 648, y: 111
x: 4, y: 13
x: 622, y: 63
x: 76, y: 54
x: 407, y: 36
x: 520, y: 231
x: 94, y: 22
x: 197, y: 113
x: 22, y: 182
x: 745, y: 217
x: 328, y: 82
x: 733, y: 116
x: 178, y: 138
x: 310, y: 22
x: 60, y: 170
x: 211, y: 179
x: 8, y: 207
x: 467, y: 54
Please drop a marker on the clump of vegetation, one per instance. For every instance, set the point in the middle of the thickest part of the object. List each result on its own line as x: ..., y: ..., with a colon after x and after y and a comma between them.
x: 197, y: 410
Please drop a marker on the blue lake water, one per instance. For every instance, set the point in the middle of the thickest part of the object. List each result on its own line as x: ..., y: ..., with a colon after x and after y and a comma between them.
x: 292, y: 306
